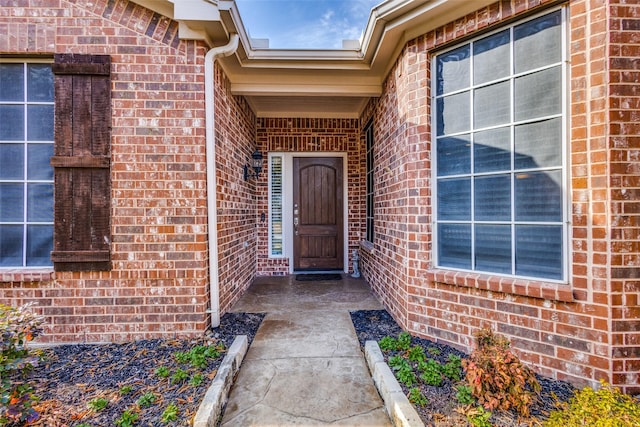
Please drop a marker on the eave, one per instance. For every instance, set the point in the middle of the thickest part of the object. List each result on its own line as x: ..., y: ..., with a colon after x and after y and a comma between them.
x: 312, y: 83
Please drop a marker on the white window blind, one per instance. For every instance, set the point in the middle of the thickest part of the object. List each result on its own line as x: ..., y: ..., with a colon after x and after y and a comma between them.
x: 26, y: 177
x: 276, y: 238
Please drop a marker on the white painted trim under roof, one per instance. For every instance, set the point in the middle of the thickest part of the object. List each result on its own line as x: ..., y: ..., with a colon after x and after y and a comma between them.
x: 302, y: 82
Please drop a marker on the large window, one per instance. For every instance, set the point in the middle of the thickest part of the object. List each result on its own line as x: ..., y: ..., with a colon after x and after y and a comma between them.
x: 369, y: 186
x: 500, y: 151
x: 26, y: 177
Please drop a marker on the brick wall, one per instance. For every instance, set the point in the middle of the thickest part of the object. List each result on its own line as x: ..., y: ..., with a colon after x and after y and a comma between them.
x: 623, y: 144
x: 310, y: 135
x: 158, y: 285
x: 562, y: 330
x: 237, y: 220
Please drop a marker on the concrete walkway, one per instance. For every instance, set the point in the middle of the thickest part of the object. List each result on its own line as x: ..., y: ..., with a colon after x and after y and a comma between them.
x: 305, y: 366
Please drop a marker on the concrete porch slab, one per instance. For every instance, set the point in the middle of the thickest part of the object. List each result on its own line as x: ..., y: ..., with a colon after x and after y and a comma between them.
x: 300, y: 334
x: 305, y: 391
x: 305, y: 366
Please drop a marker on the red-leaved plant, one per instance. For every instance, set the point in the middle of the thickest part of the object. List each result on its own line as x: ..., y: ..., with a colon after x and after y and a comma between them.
x: 18, y: 326
x: 497, y: 378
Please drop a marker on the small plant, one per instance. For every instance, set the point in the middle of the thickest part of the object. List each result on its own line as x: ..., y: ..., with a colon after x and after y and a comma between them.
x: 388, y: 343
x: 453, y: 368
x: 146, y: 400
x: 127, y: 419
x: 198, y: 357
x: 417, y: 398
x: 479, y: 417
x: 434, y: 351
x: 404, y: 371
x: 406, y: 376
x: 162, y: 372
x: 404, y: 341
x: 18, y: 326
x: 416, y: 354
x: 497, y: 377
x: 181, y: 357
x: 463, y: 394
x: 97, y: 404
x: 397, y: 362
x: 125, y: 389
x: 606, y: 407
x: 179, y: 376
x: 431, y: 372
x: 196, y: 380
x: 170, y: 413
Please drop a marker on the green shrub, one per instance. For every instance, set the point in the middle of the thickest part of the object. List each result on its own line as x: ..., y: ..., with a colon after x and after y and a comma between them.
x: 478, y: 417
x: 127, y: 419
x: 146, y: 400
x: 170, y: 413
x: 497, y: 377
x: 404, y: 341
x: 416, y: 354
x: 434, y: 351
x: 196, y: 380
x: 18, y: 326
x: 431, y: 372
x: 97, y: 404
x: 125, y: 389
x: 179, y: 376
x: 453, y: 368
x: 406, y: 376
x: 417, y: 398
x: 606, y: 407
x: 396, y: 362
x: 388, y: 343
x: 403, y: 370
x: 463, y: 394
x: 162, y: 372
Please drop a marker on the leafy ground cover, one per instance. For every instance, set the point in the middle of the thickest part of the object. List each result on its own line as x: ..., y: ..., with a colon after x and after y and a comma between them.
x: 144, y: 383
x: 433, y: 383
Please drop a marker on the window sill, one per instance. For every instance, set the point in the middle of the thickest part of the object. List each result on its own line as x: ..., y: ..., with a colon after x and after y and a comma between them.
x: 367, y: 246
x: 15, y: 275
x: 525, y: 287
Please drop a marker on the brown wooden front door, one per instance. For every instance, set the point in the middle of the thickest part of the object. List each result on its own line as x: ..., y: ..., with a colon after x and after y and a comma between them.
x: 317, y: 213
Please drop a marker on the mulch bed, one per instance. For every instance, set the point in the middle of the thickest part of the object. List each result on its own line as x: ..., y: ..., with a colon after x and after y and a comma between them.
x: 441, y: 408
x: 73, y: 375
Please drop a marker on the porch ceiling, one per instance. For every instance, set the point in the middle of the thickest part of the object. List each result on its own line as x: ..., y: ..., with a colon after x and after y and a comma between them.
x: 312, y: 83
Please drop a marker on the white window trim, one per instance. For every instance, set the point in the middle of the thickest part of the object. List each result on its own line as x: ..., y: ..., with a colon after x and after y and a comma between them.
x: 287, y: 202
x: 566, y: 152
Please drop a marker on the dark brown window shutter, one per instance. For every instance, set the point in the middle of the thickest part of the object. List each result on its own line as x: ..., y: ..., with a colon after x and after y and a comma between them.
x: 81, y: 162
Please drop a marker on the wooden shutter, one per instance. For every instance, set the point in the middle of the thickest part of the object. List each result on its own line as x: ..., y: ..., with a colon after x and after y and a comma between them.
x: 81, y: 161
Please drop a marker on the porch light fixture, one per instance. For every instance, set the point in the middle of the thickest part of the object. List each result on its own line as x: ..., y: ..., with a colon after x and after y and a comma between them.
x: 256, y: 165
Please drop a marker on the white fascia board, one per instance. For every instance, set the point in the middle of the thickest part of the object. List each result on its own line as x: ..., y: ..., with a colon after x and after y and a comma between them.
x: 309, y: 89
x: 305, y: 54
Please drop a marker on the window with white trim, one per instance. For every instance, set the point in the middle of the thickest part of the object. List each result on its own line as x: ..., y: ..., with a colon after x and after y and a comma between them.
x: 26, y: 177
x: 500, y: 121
x: 276, y: 236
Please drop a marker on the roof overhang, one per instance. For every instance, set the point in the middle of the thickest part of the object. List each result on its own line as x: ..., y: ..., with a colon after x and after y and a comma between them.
x: 311, y: 83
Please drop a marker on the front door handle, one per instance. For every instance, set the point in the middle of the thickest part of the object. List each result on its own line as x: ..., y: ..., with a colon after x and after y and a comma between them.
x: 295, y: 225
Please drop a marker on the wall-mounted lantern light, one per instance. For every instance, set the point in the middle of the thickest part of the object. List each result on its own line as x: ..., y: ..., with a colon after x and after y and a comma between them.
x: 256, y: 165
